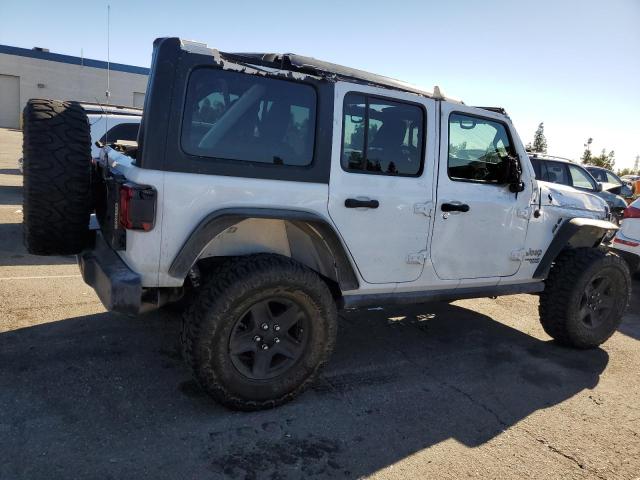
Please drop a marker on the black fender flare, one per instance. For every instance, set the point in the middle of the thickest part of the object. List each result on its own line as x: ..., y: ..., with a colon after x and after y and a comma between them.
x: 311, y: 223
x: 574, y: 233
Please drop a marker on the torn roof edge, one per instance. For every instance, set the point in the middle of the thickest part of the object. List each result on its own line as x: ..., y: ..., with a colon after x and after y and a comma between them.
x: 312, y: 66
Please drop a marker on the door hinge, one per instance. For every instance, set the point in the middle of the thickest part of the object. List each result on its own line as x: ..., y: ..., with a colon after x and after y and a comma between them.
x: 524, y: 212
x: 423, y: 209
x: 416, y: 258
x: 517, y: 255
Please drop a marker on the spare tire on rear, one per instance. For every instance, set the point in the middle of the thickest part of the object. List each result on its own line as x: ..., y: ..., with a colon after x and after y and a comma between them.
x: 57, y: 177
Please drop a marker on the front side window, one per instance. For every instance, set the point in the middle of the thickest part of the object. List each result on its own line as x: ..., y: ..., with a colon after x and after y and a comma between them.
x: 580, y: 178
x: 236, y: 116
x: 556, y: 173
x: 381, y: 136
x: 537, y: 167
x: 479, y: 149
x: 599, y: 175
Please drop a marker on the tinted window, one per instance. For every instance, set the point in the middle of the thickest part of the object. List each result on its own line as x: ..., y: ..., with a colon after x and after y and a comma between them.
x: 236, y: 116
x: 537, y: 167
x: 122, y: 131
x: 580, y: 178
x: 598, y: 174
x: 381, y: 136
x: 556, y: 173
x: 479, y: 149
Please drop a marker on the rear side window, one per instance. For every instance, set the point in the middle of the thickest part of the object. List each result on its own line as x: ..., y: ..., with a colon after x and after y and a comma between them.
x: 611, y: 178
x: 580, y: 178
x: 122, y: 131
x: 479, y: 149
x: 235, y: 116
x: 381, y: 136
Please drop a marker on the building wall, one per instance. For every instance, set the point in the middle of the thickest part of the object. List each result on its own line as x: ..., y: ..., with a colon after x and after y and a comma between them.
x: 64, y: 81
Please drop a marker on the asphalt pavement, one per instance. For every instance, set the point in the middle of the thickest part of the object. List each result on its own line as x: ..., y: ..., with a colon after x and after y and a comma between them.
x: 471, y: 389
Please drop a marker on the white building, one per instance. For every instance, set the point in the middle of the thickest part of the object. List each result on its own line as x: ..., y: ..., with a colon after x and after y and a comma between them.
x: 37, y: 73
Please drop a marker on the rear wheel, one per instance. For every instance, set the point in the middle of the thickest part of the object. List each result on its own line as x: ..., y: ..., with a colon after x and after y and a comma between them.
x: 57, y: 177
x: 258, y: 331
x: 585, y: 296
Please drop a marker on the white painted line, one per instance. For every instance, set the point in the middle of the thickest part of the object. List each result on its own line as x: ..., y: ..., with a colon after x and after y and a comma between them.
x: 40, y: 277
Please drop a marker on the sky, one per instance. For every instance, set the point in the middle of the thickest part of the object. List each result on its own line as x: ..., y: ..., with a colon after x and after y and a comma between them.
x: 574, y: 65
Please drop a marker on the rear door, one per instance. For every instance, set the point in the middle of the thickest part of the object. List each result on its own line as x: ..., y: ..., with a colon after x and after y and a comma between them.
x: 381, y: 187
x: 480, y: 226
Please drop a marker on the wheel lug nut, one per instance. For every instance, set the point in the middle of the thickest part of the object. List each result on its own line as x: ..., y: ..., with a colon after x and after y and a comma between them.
x: 264, y: 326
x: 265, y: 346
x: 276, y: 340
x: 276, y: 327
x: 257, y: 338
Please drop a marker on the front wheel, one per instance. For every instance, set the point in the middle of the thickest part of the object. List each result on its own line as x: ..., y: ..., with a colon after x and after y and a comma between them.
x: 258, y: 331
x: 585, y: 296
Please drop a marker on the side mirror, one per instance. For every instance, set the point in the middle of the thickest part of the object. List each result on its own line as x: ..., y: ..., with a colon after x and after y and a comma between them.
x: 599, y: 187
x: 513, y: 174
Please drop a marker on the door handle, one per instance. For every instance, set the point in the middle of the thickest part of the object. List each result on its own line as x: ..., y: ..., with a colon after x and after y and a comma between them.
x: 355, y: 203
x: 454, y: 207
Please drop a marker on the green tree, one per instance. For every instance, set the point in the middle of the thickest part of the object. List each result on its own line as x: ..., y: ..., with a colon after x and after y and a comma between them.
x: 586, y: 156
x: 539, y: 140
x: 604, y: 160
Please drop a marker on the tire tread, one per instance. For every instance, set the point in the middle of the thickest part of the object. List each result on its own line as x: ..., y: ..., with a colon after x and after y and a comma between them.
x: 236, y: 274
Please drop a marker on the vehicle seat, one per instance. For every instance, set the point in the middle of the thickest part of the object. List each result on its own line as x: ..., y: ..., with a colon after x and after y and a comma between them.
x: 385, y: 152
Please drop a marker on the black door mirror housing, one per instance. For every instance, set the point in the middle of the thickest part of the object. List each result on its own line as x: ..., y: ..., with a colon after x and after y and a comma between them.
x: 513, y: 174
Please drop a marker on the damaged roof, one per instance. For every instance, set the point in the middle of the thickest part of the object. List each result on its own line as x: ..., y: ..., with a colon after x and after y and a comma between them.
x: 312, y: 66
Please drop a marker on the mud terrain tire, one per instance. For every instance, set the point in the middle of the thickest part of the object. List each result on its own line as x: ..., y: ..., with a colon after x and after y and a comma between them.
x: 585, y: 296
x: 57, y: 177
x: 234, y: 297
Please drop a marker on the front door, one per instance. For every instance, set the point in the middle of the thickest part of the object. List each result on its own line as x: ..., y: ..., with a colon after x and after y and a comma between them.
x: 380, y: 184
x: 480, y: 226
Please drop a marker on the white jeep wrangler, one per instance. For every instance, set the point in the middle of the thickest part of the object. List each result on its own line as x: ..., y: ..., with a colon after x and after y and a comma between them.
x: 267, y: 191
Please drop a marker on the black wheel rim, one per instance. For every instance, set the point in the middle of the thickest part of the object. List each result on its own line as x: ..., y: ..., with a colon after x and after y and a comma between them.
x: 269, y: 338
x: 597, y: 301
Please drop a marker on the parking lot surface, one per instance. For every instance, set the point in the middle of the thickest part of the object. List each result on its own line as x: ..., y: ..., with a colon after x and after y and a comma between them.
x: 471, y: 389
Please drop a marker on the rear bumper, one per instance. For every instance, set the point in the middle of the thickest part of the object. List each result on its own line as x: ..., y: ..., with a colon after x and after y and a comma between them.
x: 118, y: 287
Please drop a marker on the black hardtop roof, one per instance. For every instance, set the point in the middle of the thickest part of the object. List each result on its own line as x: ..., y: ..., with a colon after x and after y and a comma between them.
x: 313, y: 66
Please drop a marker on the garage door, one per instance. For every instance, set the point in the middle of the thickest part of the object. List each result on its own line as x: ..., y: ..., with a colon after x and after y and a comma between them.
x: 138, y: 99
x: 9, y: 101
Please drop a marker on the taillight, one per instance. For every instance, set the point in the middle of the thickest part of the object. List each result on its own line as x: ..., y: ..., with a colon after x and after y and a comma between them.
x: 137, y: 207
x: 631, y: 212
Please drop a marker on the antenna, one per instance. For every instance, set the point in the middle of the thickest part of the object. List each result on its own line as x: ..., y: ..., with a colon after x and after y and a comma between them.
x: 107, y: 93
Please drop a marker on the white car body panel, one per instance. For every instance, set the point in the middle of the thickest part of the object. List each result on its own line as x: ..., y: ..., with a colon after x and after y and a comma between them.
x: 381, y: 239
x: 501, y: 244
x: 479, y: 251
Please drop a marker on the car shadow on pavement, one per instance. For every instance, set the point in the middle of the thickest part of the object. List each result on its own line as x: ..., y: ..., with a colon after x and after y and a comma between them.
x: 630, y: 326
x: 13, y: 252
x: 107, y: 396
